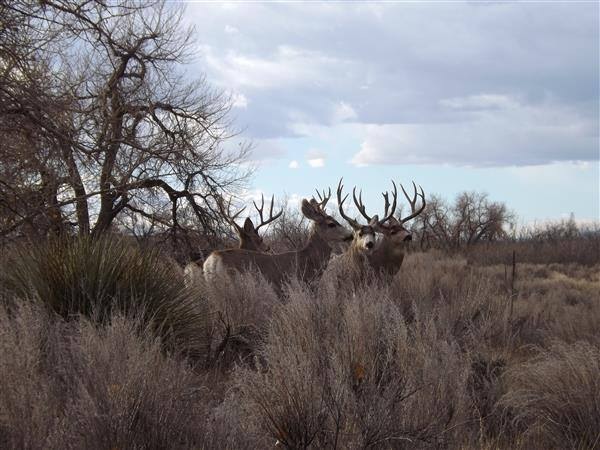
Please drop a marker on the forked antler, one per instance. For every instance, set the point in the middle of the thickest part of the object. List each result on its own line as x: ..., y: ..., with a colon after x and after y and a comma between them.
x: 387, y: 214
x: 226, y: 213
x: 353, y: 223
x: 413, y: 202
x: 261, y: 209
x: 323, y: 199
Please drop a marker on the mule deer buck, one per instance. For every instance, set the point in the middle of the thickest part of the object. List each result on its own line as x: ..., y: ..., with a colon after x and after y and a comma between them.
x: 389, y: 253
x: 307, y: 264
x: 356, y: 258
x: 249, y: 238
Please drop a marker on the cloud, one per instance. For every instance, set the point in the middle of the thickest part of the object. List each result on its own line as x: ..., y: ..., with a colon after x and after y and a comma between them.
x: 285, y: 67
x: 465, y: 84
x: 315, y: 158
x: 263, y: 149
x: 294, y: 164
x: 479, y: 102
x: 343, y: 112
x: 316, y: 162
x: 493, y: 131
x: 240, y: 101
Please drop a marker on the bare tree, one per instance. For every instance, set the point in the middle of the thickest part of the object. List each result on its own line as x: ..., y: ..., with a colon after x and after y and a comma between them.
x: 98, y: 118
x: 472, y: 218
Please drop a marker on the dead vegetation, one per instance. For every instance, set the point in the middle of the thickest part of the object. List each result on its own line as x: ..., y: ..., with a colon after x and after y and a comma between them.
x: 452, y: 354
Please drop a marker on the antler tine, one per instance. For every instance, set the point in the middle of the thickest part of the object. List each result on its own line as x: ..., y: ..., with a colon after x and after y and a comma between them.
x: 323, y: 198
x: 413, y: 202
x: 385, y: 194
x: 359, y: 204
x: 353, y: 223
x: 261, y: 209
x: 226, y: 213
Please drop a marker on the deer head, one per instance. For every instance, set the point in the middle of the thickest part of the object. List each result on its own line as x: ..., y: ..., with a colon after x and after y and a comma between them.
x: 394, y: 229
x: 248, y: 234
x: 325, y: 226
x: 363, y: 235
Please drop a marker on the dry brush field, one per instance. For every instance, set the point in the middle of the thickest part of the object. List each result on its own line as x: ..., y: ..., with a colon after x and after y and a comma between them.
x: 104, y: 347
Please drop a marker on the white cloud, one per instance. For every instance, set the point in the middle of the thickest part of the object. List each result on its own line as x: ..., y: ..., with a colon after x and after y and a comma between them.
x: 294, y: 164
x: 286, y: 67
x: 316, y: 162
x: 481, y: 101
x: 473, y: 93
x: 315, y: 158
x: 265, y: 149
x: 343, y: 112
x: 516, y: 135
x: 240, y: 101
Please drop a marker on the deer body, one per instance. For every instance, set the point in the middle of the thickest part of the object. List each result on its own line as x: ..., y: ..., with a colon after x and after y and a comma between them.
x: 307, y: 263
x: 388, y: 255
x: 249, y: 238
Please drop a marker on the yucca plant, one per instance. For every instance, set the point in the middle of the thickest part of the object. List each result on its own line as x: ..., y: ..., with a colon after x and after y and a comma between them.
x: 97, y: 277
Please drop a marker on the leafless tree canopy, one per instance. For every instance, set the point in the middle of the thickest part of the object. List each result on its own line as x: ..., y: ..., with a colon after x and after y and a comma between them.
x: 100, y: 123
x: 472, y: 218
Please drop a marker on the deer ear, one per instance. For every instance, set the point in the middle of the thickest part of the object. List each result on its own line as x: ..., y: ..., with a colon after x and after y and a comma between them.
x: 394, y: 221
x: 374, y: 221
x: 309, y: 211
x: 248, y: 225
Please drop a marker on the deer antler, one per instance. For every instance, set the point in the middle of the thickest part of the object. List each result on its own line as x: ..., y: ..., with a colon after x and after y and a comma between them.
x: 323, y: 199
x: 226, y: 213
x: 413, y: 202
x: 361, y: 207
x: 353, y: 223
x: 260, y: 211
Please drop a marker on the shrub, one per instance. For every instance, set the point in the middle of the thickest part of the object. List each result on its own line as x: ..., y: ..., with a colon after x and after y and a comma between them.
x: 345, y: 371
x: 241, y: 306
x: 79, y: 385
x: 96, y: 278
x: 557, y: 395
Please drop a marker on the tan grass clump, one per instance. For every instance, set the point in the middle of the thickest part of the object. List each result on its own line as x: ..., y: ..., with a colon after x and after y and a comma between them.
x: 79, y: 385
x: 557, y: 395
x: 346, y: 372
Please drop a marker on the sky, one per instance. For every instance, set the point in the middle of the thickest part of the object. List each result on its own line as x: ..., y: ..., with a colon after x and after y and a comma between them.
x: 495, y: 97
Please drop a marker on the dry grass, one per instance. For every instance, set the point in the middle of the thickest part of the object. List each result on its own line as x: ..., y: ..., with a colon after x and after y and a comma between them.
x: 77, y: 385
x: 556, y: 394
x: 452, y: 354
x: 346, y: 372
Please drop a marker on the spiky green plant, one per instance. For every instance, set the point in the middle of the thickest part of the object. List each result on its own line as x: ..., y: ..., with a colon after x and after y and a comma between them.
x: 97, y: 277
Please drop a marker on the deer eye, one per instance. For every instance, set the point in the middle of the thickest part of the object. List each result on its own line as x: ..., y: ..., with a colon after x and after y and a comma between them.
x: 331, y: 225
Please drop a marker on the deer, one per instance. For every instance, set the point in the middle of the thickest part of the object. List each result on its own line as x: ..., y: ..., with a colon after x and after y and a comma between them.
x: 307, y: 263
x: 356, y: 258
x: 248, y: 234
x: 386, y: 259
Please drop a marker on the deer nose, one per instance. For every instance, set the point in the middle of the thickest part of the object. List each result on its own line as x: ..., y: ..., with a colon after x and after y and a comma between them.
x: 370, y: 244
x: 408, y: 238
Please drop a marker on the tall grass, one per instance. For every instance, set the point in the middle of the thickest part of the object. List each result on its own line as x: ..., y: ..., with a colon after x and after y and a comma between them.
x: 77, y: 385
x: 556, y: 395
x: 99, y: 277
x: 451, y: 355
x: 346, y: 372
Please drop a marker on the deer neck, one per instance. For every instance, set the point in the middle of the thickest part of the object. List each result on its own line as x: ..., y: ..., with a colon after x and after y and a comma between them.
x: 387, y: 256
x: 315, y: 255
